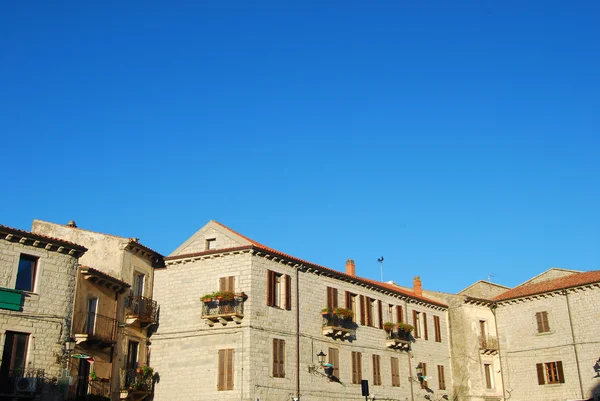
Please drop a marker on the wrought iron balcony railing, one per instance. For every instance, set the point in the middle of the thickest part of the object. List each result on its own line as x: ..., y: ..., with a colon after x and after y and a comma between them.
x: 94, y: 328
x: 223, y: 310
x: 141, y: 308
x: 398, y: 339
x: 335, y: 326
x: 136, y: 380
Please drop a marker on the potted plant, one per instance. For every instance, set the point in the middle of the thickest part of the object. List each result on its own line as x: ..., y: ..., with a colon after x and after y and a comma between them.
x: 217, y: 295
x: 207, y: 298
x: 405, y: 327
x: 228, y: 295
x: 326, y: 311
x: 92, y: 377
x: 343, y: 313
x: 388, y: 326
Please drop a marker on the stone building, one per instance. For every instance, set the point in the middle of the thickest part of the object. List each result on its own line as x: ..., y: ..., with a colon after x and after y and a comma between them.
x: 549, y: 348
x: 37, y: 283
x: 114, y: 310
x: 242, y: 321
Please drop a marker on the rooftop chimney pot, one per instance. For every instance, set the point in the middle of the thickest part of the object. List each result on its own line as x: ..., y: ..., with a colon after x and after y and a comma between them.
x: 417, y: 286
x: 71, y: 223
x: 350, y: 268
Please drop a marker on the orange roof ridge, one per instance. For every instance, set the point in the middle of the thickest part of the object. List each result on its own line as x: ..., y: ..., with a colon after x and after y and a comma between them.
x: 559, y: 283
x: 374, y: 282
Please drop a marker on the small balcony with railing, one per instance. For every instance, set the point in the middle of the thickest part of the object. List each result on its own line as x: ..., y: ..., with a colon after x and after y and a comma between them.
x: 223, y: 308
x: 398, y: 339
x: 136, y: 384
x: 94, y: 329
x: 488, y: 344
x: 338, y: 323
x: 140, y: 310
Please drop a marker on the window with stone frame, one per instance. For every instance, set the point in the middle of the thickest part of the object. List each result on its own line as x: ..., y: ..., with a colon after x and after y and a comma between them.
x: 225, y: 370
x: 279, y: 290
x: 278, y: 357
x: 27, y: 273
x: 550, y: 373
x: 541, y: 319
x: 489, y: 375
x: 334, y: 361
x: 395, y: 372
x: 376, y: 370
x: 356, y: 367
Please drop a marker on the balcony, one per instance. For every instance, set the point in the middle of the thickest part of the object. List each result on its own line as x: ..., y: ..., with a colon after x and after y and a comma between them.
x: 94, y: 329
x: 136, y: 383
x: 398, y: 339
x: 11, y: 299
x: 140, y: 309
x: 224, y: 310
x: 488, y: 344
x: 336, y: 327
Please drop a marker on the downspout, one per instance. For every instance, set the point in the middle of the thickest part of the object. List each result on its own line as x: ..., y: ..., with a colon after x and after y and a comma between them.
x: 408, y: 356
x: 574, y: 345
x: 504, y: 390
x: 297, y: 333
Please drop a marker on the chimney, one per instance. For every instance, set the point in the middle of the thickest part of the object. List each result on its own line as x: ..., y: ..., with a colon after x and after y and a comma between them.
x: 71, y: 224
x: 350, y: 268
x: 417, y: 286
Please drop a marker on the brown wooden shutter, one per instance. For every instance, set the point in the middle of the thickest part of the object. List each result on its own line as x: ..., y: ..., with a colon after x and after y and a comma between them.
x: 348, y: 300
x: 332, y: 298
x: 538, y: 318
x: 359, y: 370
x: 425, y: 374
x: 230, y: 369
x: 354, y: 368
x: 436, y: 328
x: 221, y: 368
x: 362, y: 309
x: 380, y: 311
x: 288, y: 292
x: 540, y: 373
x: 395, y: 373
x: 545, y: 321
x: 334, y: 360
x: 415, y: 324
x: 222, y: 284
x: 231, y: 283
x: 561, y: 375
x: 270, y: 288
x: 335, y: 297
x: 369, y: 306
x: 441, y: 378
x: 425, y: 336
x: 399, y: 317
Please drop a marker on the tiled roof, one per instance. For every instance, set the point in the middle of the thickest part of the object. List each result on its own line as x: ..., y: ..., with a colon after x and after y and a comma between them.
x: 40, y: 237
x: 389, y: 287
x: 573, y: 280
x: 101, y: 274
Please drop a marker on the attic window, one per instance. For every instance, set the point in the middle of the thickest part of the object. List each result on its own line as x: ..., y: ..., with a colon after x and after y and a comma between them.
x: 211, y: 243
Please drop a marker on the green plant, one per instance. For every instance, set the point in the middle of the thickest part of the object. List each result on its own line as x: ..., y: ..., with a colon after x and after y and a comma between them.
x: 218, y: 295
x: 207, y: 297
x: 145, y: 371
x: 228, y: 295
x: 343, y: 313
x: 388, y: 325
x: 93, y: 376
x: 405, y: 327
x: 326, y: 310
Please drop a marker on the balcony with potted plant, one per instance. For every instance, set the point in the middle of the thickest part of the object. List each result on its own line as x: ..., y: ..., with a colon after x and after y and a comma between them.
x: 139, y: 309
x: 398, y: 335
x: 337, y: 323
x: 137, y: 384
x: 222, y: 307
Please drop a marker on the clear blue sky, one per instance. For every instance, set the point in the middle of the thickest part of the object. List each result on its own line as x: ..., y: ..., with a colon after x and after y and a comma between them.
x: 456, y: 139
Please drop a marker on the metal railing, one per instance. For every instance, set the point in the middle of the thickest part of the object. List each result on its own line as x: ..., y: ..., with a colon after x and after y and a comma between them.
x: 136, y: 380
x: 398, y: 334
x: 97, y: 327
x: 332, y: 320
x: 21, y: 381
x: 142, y: 307
x: 488, y: 342
x: 223, y: 307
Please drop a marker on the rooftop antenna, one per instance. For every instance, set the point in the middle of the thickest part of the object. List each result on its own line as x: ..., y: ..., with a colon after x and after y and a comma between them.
x: 380, y: 260
x: 490, y: 275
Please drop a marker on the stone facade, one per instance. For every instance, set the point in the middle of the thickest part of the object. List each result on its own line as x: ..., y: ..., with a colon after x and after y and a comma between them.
x: 185, y: 349
x: 43, y: 318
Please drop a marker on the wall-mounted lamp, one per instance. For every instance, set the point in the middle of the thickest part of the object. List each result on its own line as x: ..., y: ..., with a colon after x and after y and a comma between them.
x: 70, y: 344
x: 419, y: 369
x: 321, y: 357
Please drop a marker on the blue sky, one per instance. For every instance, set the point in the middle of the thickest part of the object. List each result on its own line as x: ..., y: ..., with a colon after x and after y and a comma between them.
x: 456, y: 139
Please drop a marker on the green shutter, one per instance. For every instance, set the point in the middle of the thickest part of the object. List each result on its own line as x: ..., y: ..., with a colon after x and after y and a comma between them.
x: 11, y: 299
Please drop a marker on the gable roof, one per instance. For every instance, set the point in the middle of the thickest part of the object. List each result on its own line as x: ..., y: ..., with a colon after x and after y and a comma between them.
x: 9, y: 233
x: 560, y: 283
x: 335, y: 273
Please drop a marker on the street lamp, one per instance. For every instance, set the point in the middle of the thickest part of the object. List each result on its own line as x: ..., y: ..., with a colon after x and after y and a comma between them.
x: 419, y: 369
x: 70, y: 344
x: 321, y: 357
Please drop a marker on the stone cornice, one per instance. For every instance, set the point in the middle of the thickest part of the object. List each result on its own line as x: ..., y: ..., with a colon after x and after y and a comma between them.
x: 41, y: 241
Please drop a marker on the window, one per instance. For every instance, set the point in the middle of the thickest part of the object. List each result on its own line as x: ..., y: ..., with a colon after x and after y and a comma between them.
x: 380, y: 314
x: 417, y: 323
x: 227, y: 284
x: 441, y: 377
x: 351, y: 304
x: 424, y: 382
x: 211, y: 243
x: 279, y: 290
x: 489, y: 376
x: 424, y: 322
x: 90, y: 324
x: 390, y: 315
x: 361, y: 300
x: 356, y: 367
x: 132, y: 355
x: 332, y: 298
x: 137, y: 288
x: 14, y: 356
x: 550, y: 373
x: 370, y: 307
x: 334, y: 360
x: 542, y: 322
x: 438, y: 331
x: 376, y: 371
x: 225, y: 380
x: 27, y: 273
x: 278, y: 358
x: 399, y: 314
x: 395, y: 372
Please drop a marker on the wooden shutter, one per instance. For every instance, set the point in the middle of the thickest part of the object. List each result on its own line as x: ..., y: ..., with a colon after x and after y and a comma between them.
x: 399, y: 317
x: 425, y: 336
x: 270, y: 288
x: 538, y: 318
x: 540, y: 373
x: 354, y: 368
x: 395, y: 372
x: 222, y: 284
x: 362, y: 309
x: 332, y: 298
x: 225, y: 374
x: 288, y: 292
x: 359, y: 367
x: 380, y: 312
x: 416, y: 324
x: 348, y: 300
x: 437, y: 328
x: 278, y: 358
x: 376, y: 370
x: 229, y: 369
x: 545, y: 321
x: 425, y: 374
x: 227, y: 284
x: 369, y: 306
x: 561, y: 375
x: 334, y: 360
x: 441, y: 378
x: 221, y: 378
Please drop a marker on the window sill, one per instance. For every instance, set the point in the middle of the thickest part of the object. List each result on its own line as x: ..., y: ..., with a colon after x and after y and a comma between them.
x: 545, y: 333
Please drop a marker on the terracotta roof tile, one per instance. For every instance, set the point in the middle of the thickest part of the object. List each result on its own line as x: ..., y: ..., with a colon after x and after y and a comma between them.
x: 29, y: 234
x: 386, y: 286
x: 573, y: 280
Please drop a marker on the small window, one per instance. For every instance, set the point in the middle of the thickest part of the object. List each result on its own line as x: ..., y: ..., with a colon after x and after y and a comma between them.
x: 27, y: 273
x: 376, y: 370
x: 542, y: 322
x: 417, y: 324
x: 15, y: 352
x: 211, y: 243
x: 334, y: 360
x: 225, y: 379
x: 489, y: 376
x: 550, y: 373
x: 278, y: 358
x: 279, y: 290
x: 441, y: 377
x: 332, y: 298
x: 227, y: 284
x: 351, y: 304
x: 356, y: 367
x: 138, y: 284
x: 395, y: 372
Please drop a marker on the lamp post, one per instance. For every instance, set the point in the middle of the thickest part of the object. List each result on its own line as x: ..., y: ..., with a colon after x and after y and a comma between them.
x: 419, y: 369
x: 321, y: 357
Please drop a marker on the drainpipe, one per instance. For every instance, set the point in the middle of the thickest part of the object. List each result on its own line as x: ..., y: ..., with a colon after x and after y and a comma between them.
x: 297, y: 333
x: 408, y: 356
x: 493, y: 308
x: 574, y: 345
